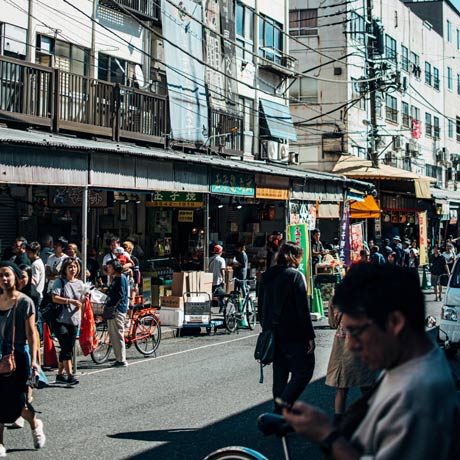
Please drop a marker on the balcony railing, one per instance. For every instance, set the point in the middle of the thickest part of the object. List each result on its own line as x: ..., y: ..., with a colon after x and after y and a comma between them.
x: 148, y: 9
x: 227, y: 133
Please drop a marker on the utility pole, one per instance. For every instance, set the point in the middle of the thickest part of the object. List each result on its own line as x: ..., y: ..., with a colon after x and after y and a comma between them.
x: 371, y: 39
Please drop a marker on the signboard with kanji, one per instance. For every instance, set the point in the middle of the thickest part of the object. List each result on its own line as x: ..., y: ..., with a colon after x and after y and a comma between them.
x: 300, y: 235
x: 232, y: 184
x: 176, y: 200
x: 185, y: 215
x: 72, y: 197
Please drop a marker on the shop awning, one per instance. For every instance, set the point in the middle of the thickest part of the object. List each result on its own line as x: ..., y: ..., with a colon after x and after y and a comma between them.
x: 355, y: 167
x: 422, y: 188
x: 451, y: 196
x: 367, y: 209
x: 279, y: 120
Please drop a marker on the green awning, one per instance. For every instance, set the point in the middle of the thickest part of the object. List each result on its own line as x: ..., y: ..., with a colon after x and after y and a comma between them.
x: 279, y: 120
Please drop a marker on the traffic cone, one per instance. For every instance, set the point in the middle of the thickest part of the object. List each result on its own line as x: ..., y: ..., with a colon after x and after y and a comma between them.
x: 425, y: 281
x: 49, y: 352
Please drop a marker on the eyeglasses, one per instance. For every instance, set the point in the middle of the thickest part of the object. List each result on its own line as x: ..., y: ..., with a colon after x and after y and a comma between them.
x: 355, y: 332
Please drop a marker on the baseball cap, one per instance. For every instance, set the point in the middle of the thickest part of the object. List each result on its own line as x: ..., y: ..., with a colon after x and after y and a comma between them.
x: 218, y: 248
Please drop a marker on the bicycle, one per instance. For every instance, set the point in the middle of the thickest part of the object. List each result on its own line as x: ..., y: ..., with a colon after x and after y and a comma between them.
x: 269, y: 424
x: 236, y: 309
x: 144, y: 332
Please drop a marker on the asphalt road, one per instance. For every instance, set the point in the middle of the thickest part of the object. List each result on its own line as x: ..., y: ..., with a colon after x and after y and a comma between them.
x: 199, y: 394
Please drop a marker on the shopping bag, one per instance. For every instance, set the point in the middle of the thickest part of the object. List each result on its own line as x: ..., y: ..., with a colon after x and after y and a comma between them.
x: 88, y: 338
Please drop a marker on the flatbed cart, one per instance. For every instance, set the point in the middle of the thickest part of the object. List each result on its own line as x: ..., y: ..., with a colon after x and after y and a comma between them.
x: 197, y: 312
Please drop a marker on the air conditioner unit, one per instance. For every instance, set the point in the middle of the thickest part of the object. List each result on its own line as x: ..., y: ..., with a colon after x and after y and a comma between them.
x: 412, y: 149
x: 283, y: 152
x: 397, y: 143
x: 441, y: 156
x: 389, y: 158
x: 293, y: 158
x: 269, y: 151
x: 158, y: 51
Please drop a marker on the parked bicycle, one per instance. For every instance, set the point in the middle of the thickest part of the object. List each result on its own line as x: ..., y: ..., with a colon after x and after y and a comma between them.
x: 269, y: 424
x: 144, y: 332
x: 237, y: 308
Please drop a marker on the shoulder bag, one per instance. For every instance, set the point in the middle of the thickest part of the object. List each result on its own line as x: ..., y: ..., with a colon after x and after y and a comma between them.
x: 50, y: 310
x: 8, y: 363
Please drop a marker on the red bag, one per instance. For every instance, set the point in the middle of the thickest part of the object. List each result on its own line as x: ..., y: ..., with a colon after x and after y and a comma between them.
x: 88, y: 337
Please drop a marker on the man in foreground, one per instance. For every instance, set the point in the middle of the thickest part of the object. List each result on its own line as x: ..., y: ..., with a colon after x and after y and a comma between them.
x: 414, y: 412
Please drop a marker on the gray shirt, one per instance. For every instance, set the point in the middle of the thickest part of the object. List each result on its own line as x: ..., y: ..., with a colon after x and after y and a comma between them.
x: 70, y: 314
x: 414, y: 414
x: 24, y: 310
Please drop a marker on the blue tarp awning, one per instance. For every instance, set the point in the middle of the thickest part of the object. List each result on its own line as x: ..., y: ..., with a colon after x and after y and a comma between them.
x: 279, y: 120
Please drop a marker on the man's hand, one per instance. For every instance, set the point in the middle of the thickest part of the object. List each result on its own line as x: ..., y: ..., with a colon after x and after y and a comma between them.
x: 311, y: 346
x: 309, y: 421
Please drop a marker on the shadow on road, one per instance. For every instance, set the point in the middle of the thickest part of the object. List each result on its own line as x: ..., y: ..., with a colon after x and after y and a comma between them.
x: 239, y: 429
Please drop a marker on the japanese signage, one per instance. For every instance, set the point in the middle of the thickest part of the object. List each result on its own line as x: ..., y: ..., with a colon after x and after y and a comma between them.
x: 423, y: 235
x: 176, y: 200
x: 357, y: 240
x: 300, y: 235
x: 72, y: 197
x: 232, y: 184
x: 303, y: 213
x: 185, y: 216
x: 272, y: 193
x: 183, y: 53
x: 344, y: 240
x: 416, y: 129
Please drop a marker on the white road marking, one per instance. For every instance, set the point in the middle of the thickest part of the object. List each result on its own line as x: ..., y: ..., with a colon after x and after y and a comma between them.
x: 134, y: 363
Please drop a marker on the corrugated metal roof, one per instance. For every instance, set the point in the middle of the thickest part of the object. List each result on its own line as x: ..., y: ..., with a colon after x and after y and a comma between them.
x: 44, y: 139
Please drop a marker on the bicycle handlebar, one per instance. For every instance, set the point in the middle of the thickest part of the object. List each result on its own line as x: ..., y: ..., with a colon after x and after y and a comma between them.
x: 270, y: 424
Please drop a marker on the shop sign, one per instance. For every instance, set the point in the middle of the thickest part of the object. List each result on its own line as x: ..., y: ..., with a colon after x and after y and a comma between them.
x: 232, y: 184
x: 272, y: 193
x: 176, y: 200
x: 357, y: 240
x: 344, y: 240
x: 453, y: 216
x: 423, y: 237
x: 185, y: 216
x: 303, y: 213
x: 72, y: 197
x: 300, y: 235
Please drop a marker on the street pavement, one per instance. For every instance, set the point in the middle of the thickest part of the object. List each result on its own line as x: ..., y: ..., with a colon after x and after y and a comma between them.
x: 198, y: 394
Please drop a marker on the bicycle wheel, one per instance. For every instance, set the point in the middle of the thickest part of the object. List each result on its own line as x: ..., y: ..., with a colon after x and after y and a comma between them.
x: 147, y: 334
x: 235, y: 453
x: 251, y: 315
x: 104, y: 347
x: 230, y: 318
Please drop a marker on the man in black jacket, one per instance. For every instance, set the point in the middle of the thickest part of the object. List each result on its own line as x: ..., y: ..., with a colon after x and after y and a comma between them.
x: 283, y: 307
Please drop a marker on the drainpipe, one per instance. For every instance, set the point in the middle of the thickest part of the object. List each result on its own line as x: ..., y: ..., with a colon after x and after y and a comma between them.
x: 30, y: 34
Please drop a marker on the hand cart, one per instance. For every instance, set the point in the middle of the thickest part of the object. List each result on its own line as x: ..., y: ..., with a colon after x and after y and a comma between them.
x: 197, y: 312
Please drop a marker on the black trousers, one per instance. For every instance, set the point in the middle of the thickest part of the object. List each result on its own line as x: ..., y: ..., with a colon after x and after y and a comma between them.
x: 291, y: 360
x: 66, y: 335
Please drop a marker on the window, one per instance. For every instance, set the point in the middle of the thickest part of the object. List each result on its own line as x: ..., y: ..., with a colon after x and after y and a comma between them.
x: 415, y: 64
x: 270, y: 39
x: 428, y: 125
x: 303, y: 22
x: 415, y: 113
x: 357, y: 26
x: 378, y: 106
x: 450, y: 128
x: 357, y: 94
x: 404, y: 58
x: 457, y: 127
x: 436, y: 78
x: 436, y: 128
x: 458, y: 83
x: 305, y: 89
x: 13, y: 40
x: 244, y: 29
x: 449, y: 31
x: 428, y: 73
x: 458, y: 39
x: 62, y: 55
x: 390, y: 48
x: 115, y: 70
x: 405, y: 114
x: 247, y: 110
x: 449, y: 78
x: 391, y: 112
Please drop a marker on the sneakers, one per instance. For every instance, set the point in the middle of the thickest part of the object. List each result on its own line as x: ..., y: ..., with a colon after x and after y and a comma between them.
x: 120, y: 364
x: 60, y: 378
x: 38, y: 435
x: 2, y: 450
x: 18, y: 423
x: 72, y: 380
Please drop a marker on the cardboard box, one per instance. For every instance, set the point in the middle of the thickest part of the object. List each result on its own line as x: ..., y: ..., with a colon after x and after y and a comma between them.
x: 172, y: 302
x: 229, y: 286
x: 179, y: 284
x: 171, y: 316
x: 206, y: 282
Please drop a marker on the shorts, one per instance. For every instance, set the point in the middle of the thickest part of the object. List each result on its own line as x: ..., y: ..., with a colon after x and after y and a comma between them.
x: 435, y: 280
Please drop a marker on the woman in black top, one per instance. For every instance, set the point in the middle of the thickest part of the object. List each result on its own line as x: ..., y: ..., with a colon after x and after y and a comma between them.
x: 13, y: 389
x: 284, y: 308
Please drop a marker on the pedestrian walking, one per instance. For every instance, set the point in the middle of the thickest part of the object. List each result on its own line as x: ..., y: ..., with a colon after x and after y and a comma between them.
x: 38, y: 267
x: 67, y: 291
x: 54, y: 262
x: 450, y: 255
x: 240, y: 267
x: 217, y: 267
x: 17, y: 324
x: 47, y: 248
x: 117, y: 296
x: 376, y: 257
x: 438, y: 267
x: 414, y: 412
x: 284, y: 309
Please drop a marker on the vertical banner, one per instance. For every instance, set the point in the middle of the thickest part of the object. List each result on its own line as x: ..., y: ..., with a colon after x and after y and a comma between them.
x: 183, y: 56
x: 357, y: 240
x: 300, y: 235
x: 423, y: 237
x: 344, y: 240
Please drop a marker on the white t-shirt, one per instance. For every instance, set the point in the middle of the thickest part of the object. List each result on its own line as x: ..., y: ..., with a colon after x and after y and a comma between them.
x: 216, y: 265
x: 54, y: 263
x: 38, y: 275
x: 111, y: 256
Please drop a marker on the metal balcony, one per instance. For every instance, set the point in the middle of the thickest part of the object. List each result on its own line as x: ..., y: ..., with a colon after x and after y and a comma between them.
x: 145, y: 9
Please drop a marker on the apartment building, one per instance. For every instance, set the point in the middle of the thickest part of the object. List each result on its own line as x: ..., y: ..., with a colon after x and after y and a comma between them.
x: 381, y: 83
